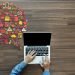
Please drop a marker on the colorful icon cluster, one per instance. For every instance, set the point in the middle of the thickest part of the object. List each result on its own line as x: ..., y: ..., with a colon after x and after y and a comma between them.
x: 12, y: 23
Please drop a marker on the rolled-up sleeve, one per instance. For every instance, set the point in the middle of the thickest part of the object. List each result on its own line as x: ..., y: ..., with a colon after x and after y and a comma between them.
x: 18, y: 68
x: 46, y: 73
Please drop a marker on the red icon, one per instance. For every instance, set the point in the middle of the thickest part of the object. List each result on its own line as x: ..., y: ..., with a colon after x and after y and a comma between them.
x: 6, y: 24
x: 25, y: 22
x: 3, y: 30
x: 1, y: 25
x: 15, y: 18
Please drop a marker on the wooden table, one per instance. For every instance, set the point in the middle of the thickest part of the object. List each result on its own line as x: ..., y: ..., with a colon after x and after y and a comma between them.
x: 56, y: 16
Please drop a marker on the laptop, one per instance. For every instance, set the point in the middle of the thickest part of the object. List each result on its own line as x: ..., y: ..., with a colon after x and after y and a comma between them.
x: 38, y: 41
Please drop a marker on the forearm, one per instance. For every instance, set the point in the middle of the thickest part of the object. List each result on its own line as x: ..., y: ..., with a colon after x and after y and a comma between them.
x: 46, y: 72
x: 18, y: 68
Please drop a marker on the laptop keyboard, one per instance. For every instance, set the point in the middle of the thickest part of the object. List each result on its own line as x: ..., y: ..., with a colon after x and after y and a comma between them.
x: 41, y: 50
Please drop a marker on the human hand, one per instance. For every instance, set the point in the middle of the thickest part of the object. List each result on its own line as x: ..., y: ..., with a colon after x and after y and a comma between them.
x: 30, y: 56
x: 45, y: 63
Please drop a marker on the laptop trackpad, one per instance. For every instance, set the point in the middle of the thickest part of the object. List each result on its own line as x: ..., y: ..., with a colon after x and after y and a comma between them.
x: 35, y: 61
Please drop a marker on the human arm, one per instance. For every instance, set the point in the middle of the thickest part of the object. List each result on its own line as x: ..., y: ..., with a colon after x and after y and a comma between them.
x: 45, y: 65
x: 19, y: 67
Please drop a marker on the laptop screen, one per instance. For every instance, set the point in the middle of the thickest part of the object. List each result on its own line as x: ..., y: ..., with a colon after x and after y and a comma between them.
x: 38, y: 39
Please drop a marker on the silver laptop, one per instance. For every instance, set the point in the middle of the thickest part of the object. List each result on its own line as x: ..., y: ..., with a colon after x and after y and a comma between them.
x: 38, y: 41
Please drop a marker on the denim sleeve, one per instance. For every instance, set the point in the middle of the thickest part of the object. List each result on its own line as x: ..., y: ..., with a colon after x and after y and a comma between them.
x: 46, y: 73
x: 18, y: 68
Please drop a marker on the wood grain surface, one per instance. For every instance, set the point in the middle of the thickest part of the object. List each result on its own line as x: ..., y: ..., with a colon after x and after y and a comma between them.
x: 55, y: 16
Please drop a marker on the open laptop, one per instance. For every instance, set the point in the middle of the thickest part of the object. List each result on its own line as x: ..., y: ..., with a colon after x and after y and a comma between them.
x: 38, y: 41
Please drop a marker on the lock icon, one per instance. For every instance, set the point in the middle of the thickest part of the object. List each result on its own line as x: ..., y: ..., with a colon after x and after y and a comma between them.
x: 20, y: 35
x: 20, y: 22
x: 7, y: 18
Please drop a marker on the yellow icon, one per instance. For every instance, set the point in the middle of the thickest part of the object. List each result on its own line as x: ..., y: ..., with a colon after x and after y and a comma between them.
x: 20, y: 35
x: 13, y: 36
x: 7, y: 18
x: 20, y: 22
